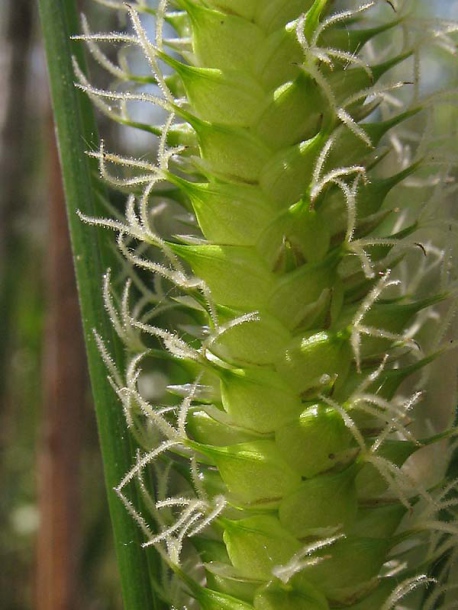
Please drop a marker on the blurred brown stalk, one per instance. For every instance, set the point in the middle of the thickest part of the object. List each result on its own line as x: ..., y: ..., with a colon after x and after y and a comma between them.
x: 64, y: 384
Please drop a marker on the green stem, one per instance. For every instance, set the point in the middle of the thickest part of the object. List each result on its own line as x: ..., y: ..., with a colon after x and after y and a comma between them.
x: 76, y: 134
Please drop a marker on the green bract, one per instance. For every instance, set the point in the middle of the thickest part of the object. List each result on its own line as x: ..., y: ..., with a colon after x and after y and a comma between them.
x: 297, y: 319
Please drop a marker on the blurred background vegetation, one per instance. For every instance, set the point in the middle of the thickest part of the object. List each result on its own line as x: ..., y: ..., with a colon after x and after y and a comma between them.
x: 55, y: 544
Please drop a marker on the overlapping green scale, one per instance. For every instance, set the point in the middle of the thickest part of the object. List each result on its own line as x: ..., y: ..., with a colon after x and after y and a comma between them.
x: 261, y: 119
x: 311, y: 518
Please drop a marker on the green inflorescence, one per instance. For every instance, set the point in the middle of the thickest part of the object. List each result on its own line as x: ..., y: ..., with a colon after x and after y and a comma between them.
x: 295, y: 320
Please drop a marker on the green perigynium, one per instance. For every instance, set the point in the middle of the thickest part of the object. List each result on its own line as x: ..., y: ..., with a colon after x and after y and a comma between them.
x: 288, y: 467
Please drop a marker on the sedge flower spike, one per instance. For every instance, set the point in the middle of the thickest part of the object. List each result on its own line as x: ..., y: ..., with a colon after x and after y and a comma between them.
x: 293, y: 463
